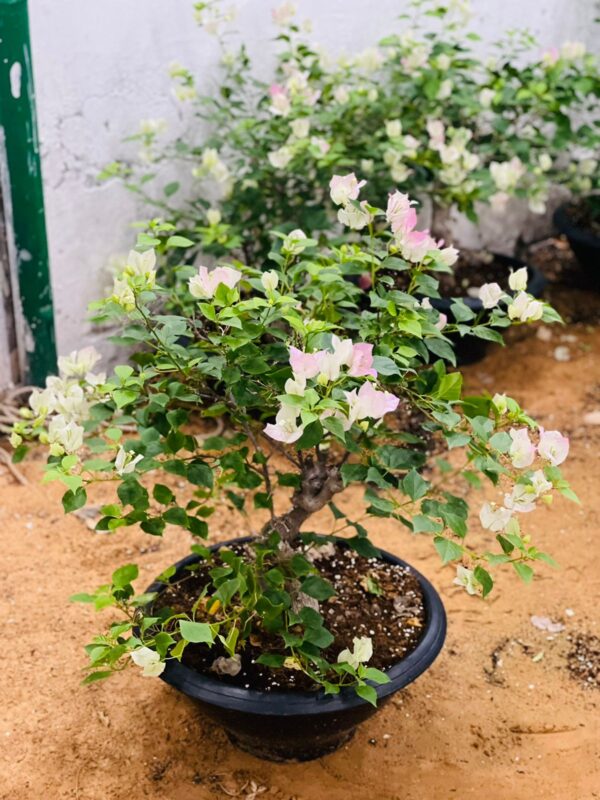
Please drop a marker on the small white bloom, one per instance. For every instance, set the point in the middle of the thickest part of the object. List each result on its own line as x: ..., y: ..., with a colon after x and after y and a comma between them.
x: 466, y: 578
x: 42, y: 402
x: 393, y: 128
x: 284, y: 14
x: 149, y: 661
x: 125, y: 462
x: 269, y: 280
x: 494, y: 518
x: 539, y: 483
x: 78, y: 362
x: 294, y: 243
x: 341, y: 95
x: 545, y: 162
x: 490, y: 294
x: 213, y: 216
x: 553, y: 447
x: 445, y: 90
x: 500, y: 403
x: 571, y: 51
x: 448, y: 256
x: 300, y: 127
x: 67, y: 435
x: 522, y: 449
x: 281, y: 157
x: 204, y: 285
x: 353, y: 217
x: 486, y: 97
x: 518, y: 280
x: 322, y: 145
x: 362, y: 652
x: 521, y: 499
x: 525, y: 308
x: 506, y: 174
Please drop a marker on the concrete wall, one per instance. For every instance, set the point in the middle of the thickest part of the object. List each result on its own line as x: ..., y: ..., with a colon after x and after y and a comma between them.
x: 101, y: 66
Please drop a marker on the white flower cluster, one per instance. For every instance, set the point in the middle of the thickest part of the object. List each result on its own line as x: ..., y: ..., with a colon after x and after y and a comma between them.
x: 64, y: 404
x: 212, y: 166
x: 523, y: 307
x: 138, y: 274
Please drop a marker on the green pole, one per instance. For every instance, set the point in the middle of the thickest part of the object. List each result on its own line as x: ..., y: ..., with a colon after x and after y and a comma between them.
x: 22, y: 161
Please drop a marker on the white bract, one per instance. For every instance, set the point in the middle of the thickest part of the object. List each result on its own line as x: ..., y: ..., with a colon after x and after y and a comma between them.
x: 362, y: 651
x: 149, y: 661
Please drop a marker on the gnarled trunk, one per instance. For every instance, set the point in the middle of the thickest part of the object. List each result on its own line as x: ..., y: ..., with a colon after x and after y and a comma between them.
x: 320, y: 482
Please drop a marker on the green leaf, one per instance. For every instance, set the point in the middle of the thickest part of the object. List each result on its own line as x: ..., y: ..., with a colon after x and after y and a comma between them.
x: 162, y: 494
x: 461, y: 312
x: 447, y: 549
x: 524, y: 571
x: 123, y: 576
x: 200, y: 474
x: 335, y: 426
x: 450, y: 387
x: 171, y: 188
x: 124, y: 397
x: 315, y: 586
x: 179, y: 241
x: 73, y: 500
x: 176, y: 516
x: 414, y: 486
x: 312, y: 435
x: 375, y: 675
x: 353, y: 472
x: 484, y: 578
x: 423, y: 524
x: 196, y: 632
x: 367, y: 693
x: 501, y: 442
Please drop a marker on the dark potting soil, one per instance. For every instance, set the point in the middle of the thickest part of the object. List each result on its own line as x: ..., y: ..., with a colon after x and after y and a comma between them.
x: 583, y: 660
x: 472, y: 270
x: 586, y: 215
x: 409, y: 421
x: 394, y: 619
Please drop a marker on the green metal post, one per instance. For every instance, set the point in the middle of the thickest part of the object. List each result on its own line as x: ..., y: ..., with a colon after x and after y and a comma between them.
x: 26, y: 199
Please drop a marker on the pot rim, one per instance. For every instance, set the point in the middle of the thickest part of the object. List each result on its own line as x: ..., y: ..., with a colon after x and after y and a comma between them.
x: 571, y: 230
x: 289, y: 703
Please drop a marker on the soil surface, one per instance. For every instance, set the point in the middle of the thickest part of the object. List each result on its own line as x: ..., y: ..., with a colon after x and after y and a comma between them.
x: 372, y: 598
x: 502, y: 713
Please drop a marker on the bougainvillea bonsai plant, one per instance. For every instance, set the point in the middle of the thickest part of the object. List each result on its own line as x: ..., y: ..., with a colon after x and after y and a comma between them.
x: 308, y: 380
x: 421, y: 110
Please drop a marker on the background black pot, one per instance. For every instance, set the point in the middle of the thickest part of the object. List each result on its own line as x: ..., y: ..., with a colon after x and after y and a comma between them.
x: 288, y: 725
x: 584, y: 244
x: 470, y: 349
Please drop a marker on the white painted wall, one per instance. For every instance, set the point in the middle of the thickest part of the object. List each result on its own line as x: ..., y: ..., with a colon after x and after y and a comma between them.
x: 101, y: 66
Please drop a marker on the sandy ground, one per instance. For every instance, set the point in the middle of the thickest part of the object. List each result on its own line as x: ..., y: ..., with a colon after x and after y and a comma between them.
x: 513, y: 726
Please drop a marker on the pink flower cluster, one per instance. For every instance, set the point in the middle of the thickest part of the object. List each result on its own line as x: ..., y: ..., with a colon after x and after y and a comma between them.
x: 414, y: 245
x: 357, y: 357
x: 552, y: 447
x: 325, y: 366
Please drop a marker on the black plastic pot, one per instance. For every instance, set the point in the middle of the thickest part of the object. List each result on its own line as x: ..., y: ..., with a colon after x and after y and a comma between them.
x: 470, y: 349
x: 299, y: 726
x: 584, y: 244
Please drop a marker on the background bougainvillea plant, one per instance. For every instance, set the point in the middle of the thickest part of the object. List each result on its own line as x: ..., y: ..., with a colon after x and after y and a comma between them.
x: 421, y: 110
x: 309, y: 374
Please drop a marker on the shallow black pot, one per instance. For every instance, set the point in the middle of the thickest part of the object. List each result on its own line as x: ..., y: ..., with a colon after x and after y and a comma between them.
x: 470, y: 349
x: 299, y: 726
x: 584, y: 245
